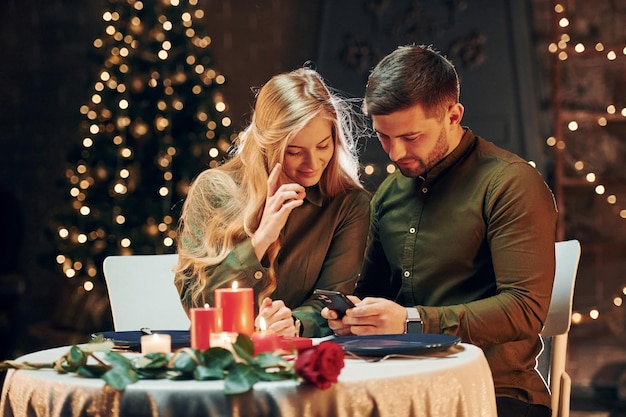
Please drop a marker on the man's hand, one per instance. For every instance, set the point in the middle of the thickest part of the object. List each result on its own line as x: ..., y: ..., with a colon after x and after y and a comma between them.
x: 335, y: 323
x: 370, y: 316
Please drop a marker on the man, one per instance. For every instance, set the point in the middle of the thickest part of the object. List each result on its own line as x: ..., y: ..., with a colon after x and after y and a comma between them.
x: 461, y: 239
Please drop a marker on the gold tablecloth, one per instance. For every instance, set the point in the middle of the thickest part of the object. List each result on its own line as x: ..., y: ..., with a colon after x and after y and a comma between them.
x: 458, y: 384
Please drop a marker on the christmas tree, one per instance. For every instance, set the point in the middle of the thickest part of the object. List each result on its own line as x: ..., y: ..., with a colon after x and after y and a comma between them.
x: 154, y: 119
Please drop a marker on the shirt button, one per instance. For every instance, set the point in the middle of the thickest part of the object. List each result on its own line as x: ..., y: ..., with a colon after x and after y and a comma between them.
x: 424, y: 190
x: 412, y: 230
x: 258, y: 275
x: 407, y: 274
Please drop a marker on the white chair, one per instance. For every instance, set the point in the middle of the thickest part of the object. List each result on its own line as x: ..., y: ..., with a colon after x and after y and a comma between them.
x: 556, y: 327
x: 142, y: 292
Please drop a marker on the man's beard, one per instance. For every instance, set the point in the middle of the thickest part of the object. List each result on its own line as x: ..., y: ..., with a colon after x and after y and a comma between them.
x: 437, y: 154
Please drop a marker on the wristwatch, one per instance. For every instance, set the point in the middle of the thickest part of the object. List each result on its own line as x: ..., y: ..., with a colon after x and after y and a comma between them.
x: 413, y: 322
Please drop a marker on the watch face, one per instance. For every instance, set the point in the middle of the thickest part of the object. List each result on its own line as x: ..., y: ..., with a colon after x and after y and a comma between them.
x: 414, y: 327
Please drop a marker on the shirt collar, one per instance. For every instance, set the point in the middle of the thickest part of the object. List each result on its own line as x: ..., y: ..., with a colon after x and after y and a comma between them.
x: 314, y: 195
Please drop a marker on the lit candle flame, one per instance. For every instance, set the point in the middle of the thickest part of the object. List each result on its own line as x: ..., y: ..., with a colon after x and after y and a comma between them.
x: 262, y: 324
x: 235, y: 285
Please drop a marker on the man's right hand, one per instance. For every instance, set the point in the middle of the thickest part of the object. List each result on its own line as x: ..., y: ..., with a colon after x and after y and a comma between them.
x: 335, y: 323
x: 373, y: 315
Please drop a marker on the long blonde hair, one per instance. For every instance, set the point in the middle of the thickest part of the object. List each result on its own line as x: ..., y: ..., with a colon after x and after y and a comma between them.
x: 225, y: 204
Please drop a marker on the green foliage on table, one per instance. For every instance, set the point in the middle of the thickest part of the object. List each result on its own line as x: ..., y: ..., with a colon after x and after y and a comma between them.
x: 240, y: 371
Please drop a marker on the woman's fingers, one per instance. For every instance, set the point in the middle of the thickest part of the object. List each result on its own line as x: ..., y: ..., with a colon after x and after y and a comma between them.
x: 280, y: 201
x: 269, y: 308
x: 284, y: 195
x: 284, y: 327
x: 275, y: 312
x: 279, y: 206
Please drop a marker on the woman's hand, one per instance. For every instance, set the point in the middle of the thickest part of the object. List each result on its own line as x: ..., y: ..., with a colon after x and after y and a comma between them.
x: 280, y: 201
x: 277, y: 317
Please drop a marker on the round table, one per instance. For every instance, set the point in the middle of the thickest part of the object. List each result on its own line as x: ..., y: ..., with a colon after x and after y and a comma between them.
x: 457, y: 383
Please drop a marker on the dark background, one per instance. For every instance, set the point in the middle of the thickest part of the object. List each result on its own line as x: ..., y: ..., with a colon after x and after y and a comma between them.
x: 508, y: 89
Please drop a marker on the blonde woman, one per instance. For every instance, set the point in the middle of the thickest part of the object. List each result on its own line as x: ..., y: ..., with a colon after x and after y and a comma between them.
x: 286, y: 214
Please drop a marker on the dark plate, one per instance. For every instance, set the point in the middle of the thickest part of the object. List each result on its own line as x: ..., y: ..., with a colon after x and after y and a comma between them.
x: 132, y: 339
x: 402, y: 344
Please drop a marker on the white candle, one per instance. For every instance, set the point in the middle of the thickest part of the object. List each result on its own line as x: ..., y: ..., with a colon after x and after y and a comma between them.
x: 224, y: 340
x: 156, y: 343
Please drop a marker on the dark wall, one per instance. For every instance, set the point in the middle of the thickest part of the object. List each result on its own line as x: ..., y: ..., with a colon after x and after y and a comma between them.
x: 490, y: 43
x: 254, y: 40
x: 43, y: 80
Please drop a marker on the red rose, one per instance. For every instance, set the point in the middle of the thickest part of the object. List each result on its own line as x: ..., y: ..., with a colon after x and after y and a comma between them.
x: 321, y: 364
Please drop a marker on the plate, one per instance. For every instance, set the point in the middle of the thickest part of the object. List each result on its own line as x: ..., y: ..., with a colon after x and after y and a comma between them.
x: 131, y: 340
x: 402, y: 344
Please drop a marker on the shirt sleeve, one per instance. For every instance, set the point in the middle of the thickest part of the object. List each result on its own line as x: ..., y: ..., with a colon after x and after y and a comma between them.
x: 521, y: 224
x: 241, y: 265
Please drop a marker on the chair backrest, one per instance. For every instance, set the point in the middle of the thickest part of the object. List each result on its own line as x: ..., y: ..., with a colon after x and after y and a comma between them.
x: 557, y: 324
x: 142, y: 292
x: 567, y: 255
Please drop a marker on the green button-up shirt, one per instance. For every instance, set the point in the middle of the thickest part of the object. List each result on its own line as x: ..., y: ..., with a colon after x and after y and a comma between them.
x: 323, y: 243
x: 471, y: 245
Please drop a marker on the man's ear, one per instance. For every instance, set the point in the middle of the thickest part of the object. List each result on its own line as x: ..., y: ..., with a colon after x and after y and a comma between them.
x: 455, y: 113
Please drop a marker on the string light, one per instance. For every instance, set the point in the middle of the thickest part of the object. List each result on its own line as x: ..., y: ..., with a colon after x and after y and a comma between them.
x: 119, y: 131
x: 563, y: 50
x: 574, y: 125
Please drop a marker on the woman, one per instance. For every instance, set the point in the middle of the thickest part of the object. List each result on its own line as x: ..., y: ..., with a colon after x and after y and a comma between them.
x: 285, y: 215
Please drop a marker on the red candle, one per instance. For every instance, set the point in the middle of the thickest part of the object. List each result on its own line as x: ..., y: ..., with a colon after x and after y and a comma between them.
x: 237, y: 306
x: 264, y: 340
x: 204, y: 321
x: 289, y: 344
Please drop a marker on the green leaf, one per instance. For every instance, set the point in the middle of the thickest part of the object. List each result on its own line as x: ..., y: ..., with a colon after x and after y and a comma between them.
x: 244, y: 348
x: 218, y: 358
x: 154, y: 360
x: 92, y: 371
x: 119, y: 377
x: 62, y: 367
x: 70, y: 361
x: 241, y: 377
x: 270, y: 360
x: 76, y: 357
x: 205, y: 373
x: 115, y: 359
x: 151, y: 366
x: 184, y: 362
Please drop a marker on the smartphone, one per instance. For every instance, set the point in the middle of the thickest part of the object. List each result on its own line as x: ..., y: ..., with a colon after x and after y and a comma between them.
x: 334, y: 300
